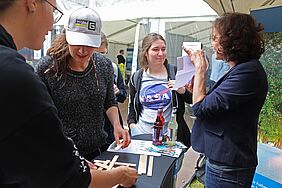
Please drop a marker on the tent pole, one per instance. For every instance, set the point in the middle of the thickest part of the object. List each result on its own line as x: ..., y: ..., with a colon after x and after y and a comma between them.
x: 135, y: 50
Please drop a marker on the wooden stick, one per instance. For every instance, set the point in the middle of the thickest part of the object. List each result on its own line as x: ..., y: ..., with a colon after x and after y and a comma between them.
x: 101, y: 166
x: 112, y: 163
x: 150, y: 166
x: 117, y: 163
x: 105, y: 163
x: 142, y: 164
x: 125, y: 164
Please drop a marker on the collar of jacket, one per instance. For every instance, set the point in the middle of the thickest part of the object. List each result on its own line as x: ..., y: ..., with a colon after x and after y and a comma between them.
x: 6, y: 39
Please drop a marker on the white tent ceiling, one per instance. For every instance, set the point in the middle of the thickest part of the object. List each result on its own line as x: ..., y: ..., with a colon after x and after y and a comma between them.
x: 243, y: 6
x: 183, y: 17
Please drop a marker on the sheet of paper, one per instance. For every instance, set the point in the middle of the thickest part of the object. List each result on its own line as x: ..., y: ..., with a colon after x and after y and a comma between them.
x: 194, y: 46
x: 170, y: 151
x: 185, y: 72
x: 147, y: 148
x: 135, y: 147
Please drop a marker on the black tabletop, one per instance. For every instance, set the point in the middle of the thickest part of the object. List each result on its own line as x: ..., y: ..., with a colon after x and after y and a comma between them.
x: 163, y: 167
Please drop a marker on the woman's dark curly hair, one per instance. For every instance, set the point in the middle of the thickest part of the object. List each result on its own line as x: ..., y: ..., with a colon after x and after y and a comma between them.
x: 240, y: 37
x: 146, y: 44
x: 59, y: 51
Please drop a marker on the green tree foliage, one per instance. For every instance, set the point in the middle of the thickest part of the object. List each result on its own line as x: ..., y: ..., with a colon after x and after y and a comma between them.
x: 271, y: 114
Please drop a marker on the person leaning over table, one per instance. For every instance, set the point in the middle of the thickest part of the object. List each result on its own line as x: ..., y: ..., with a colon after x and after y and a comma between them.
x: 81, y: 84
x: 35, y: 153
x: 225, y: 129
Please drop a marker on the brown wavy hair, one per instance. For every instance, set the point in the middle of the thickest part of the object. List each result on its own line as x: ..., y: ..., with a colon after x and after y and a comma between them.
x: 104, y: 40
x: 240, y: 37
x: 146, y: 44
x: 59, y: 51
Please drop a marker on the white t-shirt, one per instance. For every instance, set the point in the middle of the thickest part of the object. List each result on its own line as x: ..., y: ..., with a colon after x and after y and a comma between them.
x: 154, y: 93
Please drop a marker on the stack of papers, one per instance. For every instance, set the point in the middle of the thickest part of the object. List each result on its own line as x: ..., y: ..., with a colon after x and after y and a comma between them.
x: 147, y: 148
x: 135, y: 147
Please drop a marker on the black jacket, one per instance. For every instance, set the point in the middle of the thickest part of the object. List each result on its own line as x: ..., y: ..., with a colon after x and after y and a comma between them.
x: 179, y: 100
x: 34, y: 151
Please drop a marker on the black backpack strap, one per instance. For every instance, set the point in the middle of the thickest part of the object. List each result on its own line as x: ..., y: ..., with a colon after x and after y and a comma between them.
x: 134, y: 79
x: 172, y: 69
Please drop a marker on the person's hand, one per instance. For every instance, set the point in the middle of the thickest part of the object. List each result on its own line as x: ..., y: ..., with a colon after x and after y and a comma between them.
x: 128, y: 176
x: 132, y: 125
x: 180, y: 90
x: 119, y: 132
x: 90, y: 164
x: 198, y: 59
x: 171, y: 83
x: 122, y: 175
x: 116, y: 90
x: 190, y: 53
x: 190, y: 85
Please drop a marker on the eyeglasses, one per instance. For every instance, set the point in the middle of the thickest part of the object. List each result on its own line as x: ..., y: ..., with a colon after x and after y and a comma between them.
x: 57, y: 14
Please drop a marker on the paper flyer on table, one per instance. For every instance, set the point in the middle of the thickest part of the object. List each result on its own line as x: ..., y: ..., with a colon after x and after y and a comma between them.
x: 185, y: 72
x: 166, y: 150
x: 147, y: 148
x: 171, y: 151
x: 135, y: 147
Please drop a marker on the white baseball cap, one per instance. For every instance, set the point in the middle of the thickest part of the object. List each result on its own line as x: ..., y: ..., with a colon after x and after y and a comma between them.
x: 84, y: 28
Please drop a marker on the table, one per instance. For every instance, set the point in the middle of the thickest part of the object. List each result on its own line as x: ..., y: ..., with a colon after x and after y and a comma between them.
x: 163, y: 169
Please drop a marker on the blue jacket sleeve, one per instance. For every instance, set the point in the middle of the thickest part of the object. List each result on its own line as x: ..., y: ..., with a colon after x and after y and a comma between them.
x: 234, y: 89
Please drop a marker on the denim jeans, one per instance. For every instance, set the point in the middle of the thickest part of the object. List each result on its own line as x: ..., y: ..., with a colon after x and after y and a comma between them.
x: 222, y: 176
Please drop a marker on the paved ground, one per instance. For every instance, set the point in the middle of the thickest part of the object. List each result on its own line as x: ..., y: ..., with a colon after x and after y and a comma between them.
x: 190, y: 157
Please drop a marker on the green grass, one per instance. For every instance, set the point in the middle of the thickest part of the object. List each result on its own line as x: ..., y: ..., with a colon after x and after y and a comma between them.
x: 196, y: 184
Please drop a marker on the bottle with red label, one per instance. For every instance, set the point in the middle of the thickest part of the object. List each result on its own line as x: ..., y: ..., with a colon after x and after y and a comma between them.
x: 158, y: 128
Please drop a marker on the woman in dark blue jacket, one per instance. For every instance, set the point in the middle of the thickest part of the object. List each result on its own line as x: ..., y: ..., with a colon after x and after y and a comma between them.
x: 227, y: 116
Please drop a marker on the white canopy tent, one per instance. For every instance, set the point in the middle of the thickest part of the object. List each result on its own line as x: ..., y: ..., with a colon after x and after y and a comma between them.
x: 126, y: 23
x: 243, y: 6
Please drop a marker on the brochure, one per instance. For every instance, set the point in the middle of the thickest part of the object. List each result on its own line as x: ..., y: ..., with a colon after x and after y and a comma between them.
x: 135, y: 147
x: 185, y: 72
x: 147, y: 148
